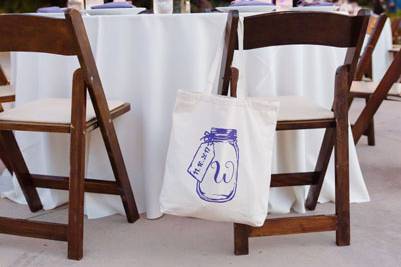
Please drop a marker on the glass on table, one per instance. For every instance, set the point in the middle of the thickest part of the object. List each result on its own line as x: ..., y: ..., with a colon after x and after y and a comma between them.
x: 91, y: 3
x: 163, y: 6
x: 77, y: 4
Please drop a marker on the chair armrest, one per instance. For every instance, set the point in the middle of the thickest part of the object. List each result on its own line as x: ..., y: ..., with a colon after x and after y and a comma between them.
x: 342, y: 92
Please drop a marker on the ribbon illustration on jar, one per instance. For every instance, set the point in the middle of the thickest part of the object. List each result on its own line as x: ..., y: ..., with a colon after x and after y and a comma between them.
x: 215, y: 165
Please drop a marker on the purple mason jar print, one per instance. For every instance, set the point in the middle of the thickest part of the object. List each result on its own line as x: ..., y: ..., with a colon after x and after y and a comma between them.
x: 215, y: 165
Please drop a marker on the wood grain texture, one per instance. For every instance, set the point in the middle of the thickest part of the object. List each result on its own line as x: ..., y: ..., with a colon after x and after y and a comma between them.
x: 365, y: 118
x: 35, y: 229
x: 19, y: 167
x: 28, y: 33
x: 241, y: 241
x: 365, y: 67
x: 294, y: 179
x: 302, y: 28
x: 295, y: 225
x: 341, y: 158
x: 62, y: 183
x: 366, y: 58
x: 77, y: 168
x: 105, y: 122
x: 64, y: 37
x: 338, y: 31
x: 230, y: 45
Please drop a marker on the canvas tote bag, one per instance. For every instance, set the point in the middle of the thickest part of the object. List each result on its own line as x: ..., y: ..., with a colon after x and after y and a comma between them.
x: 218, y: 163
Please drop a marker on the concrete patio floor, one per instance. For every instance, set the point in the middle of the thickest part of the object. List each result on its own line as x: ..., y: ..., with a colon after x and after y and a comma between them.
x: 173, y: 241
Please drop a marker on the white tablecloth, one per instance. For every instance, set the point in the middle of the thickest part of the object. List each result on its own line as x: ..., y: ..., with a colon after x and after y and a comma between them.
x: 144, y: 60
x: 381, y: 58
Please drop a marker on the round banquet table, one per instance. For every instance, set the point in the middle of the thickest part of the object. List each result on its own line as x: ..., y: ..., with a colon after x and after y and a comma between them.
x: 144, y: 60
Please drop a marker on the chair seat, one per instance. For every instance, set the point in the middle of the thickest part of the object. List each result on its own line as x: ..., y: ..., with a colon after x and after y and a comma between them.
x: 299, y: 108
x: 368, y: 88
x: 53, y: 111
x: 7, y: 93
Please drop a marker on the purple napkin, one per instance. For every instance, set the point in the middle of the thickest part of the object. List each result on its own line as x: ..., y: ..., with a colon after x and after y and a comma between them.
x: 50, y: 9
x: 249, y: 3
x: 315, y: 3
x: 114, y: 5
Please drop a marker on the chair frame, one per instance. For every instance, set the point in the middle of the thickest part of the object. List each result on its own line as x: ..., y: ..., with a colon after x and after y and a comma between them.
x: 286, y: 31
x: 365, y: 66
x: 365, y: 118
x: 64, y: 37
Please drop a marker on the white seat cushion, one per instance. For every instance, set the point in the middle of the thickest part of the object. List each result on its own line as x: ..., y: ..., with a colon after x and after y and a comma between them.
x: 296, y: 108
x: 369, y: 88
x: 6, y: 90
x: 51, y: 110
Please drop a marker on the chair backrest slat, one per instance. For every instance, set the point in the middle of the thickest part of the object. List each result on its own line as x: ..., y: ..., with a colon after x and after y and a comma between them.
x: 366, y: 57
x: 28, y: 33
x: 310, y: 28
x: 68, y: 37
x: 229, y: 46
x: 297, y: 28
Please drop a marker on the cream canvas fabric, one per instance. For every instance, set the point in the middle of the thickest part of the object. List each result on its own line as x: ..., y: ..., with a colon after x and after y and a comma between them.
x: 294, y: 108
x: 370, y: 87
x: 219, y: 158
x: 50, y: 110
x: 6, y: 90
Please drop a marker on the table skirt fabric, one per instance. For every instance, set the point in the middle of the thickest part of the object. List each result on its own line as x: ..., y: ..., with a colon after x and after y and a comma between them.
x: 144, y: 60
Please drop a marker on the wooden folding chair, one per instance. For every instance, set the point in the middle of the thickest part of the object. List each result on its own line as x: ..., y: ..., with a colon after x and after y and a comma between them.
x: 337, y: 31
x: 375, y: 94
x: 76, y: 116
x: 363, y: 89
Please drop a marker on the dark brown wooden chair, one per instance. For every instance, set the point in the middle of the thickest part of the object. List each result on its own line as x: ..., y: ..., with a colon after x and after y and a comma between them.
x: 67, y: 37
x: 337, y: 31
x: 364, y: 87
x: 375, y: 97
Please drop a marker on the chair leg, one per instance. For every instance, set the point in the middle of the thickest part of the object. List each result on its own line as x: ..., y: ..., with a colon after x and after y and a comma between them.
x: 342, y: 185
x: 370, y: 131
x: 4, y: 158
x: 321, y: 167
x: 76, y: 198
x: 77, y: 170
x: 18, y: 165
x: 241, y: 239
x: 120, y: 172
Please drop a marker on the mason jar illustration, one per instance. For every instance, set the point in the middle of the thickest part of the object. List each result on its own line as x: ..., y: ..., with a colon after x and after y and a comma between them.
x: 215, y: 165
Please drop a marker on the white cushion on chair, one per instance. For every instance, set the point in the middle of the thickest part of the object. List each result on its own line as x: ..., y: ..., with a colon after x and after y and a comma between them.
x: 50, y: 110
x: 6, y: 90
x: 365, y: 87
x: 295, y: 108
